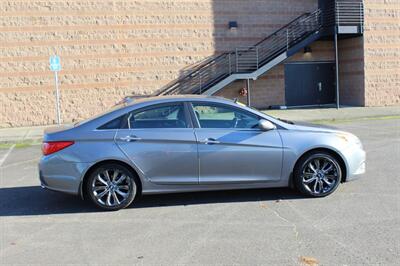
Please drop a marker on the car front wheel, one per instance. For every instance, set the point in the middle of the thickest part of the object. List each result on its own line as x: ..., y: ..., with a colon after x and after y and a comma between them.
x: 317, y: 174
x: 112, y: 187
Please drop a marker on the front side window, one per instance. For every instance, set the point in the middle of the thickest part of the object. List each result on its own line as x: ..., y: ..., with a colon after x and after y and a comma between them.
x: 165, y: 116
x: 223, y: 116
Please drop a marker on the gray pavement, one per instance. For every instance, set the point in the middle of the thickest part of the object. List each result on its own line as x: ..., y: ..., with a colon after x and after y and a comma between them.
x: 357, y: 225
x: 320, y: 115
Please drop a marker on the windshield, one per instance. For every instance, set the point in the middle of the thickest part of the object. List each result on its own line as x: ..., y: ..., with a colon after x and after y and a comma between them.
x: 280, y: 119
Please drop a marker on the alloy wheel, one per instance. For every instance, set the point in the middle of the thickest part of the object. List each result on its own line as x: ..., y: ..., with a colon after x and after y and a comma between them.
x: 320, y: 174
x: 112, y: 187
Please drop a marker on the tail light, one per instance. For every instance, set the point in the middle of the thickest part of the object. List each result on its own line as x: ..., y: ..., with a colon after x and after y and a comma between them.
x: 55, y: 146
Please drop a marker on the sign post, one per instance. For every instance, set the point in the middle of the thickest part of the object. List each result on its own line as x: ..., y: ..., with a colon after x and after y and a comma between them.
x: 55, y: 66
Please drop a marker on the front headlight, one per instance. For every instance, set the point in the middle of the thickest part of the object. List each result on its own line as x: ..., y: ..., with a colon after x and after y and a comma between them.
x: 349, y: 139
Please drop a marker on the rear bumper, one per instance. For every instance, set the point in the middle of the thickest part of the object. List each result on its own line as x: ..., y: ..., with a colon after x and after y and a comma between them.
x: 58, y: 175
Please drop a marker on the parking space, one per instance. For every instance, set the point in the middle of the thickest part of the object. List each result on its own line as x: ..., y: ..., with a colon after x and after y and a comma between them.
x: 358, y: 224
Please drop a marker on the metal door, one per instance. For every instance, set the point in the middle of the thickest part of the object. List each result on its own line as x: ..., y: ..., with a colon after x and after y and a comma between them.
x: 309, y: 83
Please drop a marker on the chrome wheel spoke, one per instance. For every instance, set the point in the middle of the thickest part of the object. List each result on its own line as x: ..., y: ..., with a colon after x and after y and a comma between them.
x: 122, y: 178
x: 123, y: 194
x: 320, y: 186
x: 317, y: 165
x: 115, y: 175
x: 332, y: 177
x: 108, y: 202
x: 100, y: 195
x: 328, y: 182
x: 310, y: 180
x: 312, y: 167
x: 116, y: 200
x: 104, y: 182
x: 125, y: 187
x: 97, y: 188
x: 330, y: 167
x: 107, y: 175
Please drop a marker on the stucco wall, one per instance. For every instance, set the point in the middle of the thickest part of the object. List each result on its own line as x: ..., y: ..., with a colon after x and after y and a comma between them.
x: 382, y: 52
x: 110, y: 49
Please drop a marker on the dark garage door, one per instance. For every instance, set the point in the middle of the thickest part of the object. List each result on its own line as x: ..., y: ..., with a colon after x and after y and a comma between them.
x: 309, y: 83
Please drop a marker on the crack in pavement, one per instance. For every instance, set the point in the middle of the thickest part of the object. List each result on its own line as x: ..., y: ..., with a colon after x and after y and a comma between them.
x: 345, y: 247
x: 295, y: 231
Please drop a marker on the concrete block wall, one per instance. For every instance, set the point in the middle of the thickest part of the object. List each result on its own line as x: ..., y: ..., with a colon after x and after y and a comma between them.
x: 110, y: 49
x: 382, y: 52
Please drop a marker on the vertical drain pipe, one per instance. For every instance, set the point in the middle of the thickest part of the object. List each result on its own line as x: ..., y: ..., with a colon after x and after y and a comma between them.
x: 248, y: 93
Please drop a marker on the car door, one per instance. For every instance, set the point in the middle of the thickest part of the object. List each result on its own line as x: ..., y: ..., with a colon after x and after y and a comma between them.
x: 160, y: 142
x: 232, y: 149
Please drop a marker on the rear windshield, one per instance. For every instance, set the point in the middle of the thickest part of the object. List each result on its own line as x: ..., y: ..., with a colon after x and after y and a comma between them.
x: 115, y: 107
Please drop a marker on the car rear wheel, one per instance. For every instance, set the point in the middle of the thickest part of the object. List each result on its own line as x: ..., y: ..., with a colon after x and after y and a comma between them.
x: 112, y: 187
x: 317, y: 174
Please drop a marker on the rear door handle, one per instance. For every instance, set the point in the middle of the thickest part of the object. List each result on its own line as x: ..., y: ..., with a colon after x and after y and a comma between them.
x: 129, y: 138
x: 211, y: 141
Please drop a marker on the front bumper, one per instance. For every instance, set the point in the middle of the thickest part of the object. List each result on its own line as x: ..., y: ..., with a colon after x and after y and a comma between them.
x: 356, y: 162
x: 59, y: 175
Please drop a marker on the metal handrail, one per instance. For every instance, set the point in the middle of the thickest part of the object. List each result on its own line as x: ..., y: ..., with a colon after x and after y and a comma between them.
x: 349, y: 13
x: 245, y: 59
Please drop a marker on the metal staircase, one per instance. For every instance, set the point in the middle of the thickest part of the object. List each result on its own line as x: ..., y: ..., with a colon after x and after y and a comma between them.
x: 248, y: 62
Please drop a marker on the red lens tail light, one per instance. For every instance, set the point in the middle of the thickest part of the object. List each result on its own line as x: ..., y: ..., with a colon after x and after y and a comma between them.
x: 55, y: 146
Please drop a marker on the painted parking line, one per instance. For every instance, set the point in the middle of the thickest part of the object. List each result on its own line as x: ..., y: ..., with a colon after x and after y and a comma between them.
x: 2, y: 160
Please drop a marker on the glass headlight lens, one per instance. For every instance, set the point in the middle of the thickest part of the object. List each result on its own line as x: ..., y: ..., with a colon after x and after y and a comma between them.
x: 349, y: 138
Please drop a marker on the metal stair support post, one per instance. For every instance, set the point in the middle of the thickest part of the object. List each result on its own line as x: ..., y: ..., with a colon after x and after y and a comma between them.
x: 337, y: 67
x: 248, y: 93
x: 287, y: 39
x: 237, y: 60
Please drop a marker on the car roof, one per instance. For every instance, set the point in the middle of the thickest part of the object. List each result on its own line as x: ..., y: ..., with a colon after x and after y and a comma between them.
x: 172, y: 98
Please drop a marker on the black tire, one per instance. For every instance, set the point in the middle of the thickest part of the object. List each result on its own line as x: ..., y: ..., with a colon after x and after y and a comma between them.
x: 313, y: 180
x: 118, y: 183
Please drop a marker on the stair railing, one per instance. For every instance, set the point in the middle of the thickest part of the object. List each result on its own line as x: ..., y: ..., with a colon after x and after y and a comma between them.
x: 245, y: 59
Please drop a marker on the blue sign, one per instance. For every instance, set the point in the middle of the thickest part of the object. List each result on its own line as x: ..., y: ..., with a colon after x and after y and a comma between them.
x: 55, y: 63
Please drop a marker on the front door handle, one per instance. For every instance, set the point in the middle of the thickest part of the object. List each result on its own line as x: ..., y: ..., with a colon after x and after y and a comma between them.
x: 211, y: 141
x: 129, y: 138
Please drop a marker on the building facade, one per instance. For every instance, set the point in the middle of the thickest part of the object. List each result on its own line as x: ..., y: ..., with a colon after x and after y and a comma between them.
x: 113, y: 49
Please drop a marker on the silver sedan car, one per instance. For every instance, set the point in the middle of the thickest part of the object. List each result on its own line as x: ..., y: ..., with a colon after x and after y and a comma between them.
x: 193, y: 143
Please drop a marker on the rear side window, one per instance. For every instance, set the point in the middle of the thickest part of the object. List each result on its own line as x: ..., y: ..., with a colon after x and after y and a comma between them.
x: 165, y: 116
x: 113, y: 124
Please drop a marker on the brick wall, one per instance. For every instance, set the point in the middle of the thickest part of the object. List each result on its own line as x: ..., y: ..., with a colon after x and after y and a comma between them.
x: 382, y: 52
x: 110, y: 49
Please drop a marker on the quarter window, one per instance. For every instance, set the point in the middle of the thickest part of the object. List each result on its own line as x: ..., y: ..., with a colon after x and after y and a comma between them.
x: 222, y: 116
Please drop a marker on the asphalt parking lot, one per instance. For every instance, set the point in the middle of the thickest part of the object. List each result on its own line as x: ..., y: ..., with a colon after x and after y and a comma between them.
x: 358, y: 224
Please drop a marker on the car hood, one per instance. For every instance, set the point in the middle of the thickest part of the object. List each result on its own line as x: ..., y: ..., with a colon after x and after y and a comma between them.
x: 304, y: 126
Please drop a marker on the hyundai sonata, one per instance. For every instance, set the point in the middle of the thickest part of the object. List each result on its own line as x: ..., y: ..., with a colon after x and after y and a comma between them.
x: 193, y: 143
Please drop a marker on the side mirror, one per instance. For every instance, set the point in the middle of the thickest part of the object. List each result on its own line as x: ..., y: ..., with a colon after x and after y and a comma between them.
x: 265, y: 125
